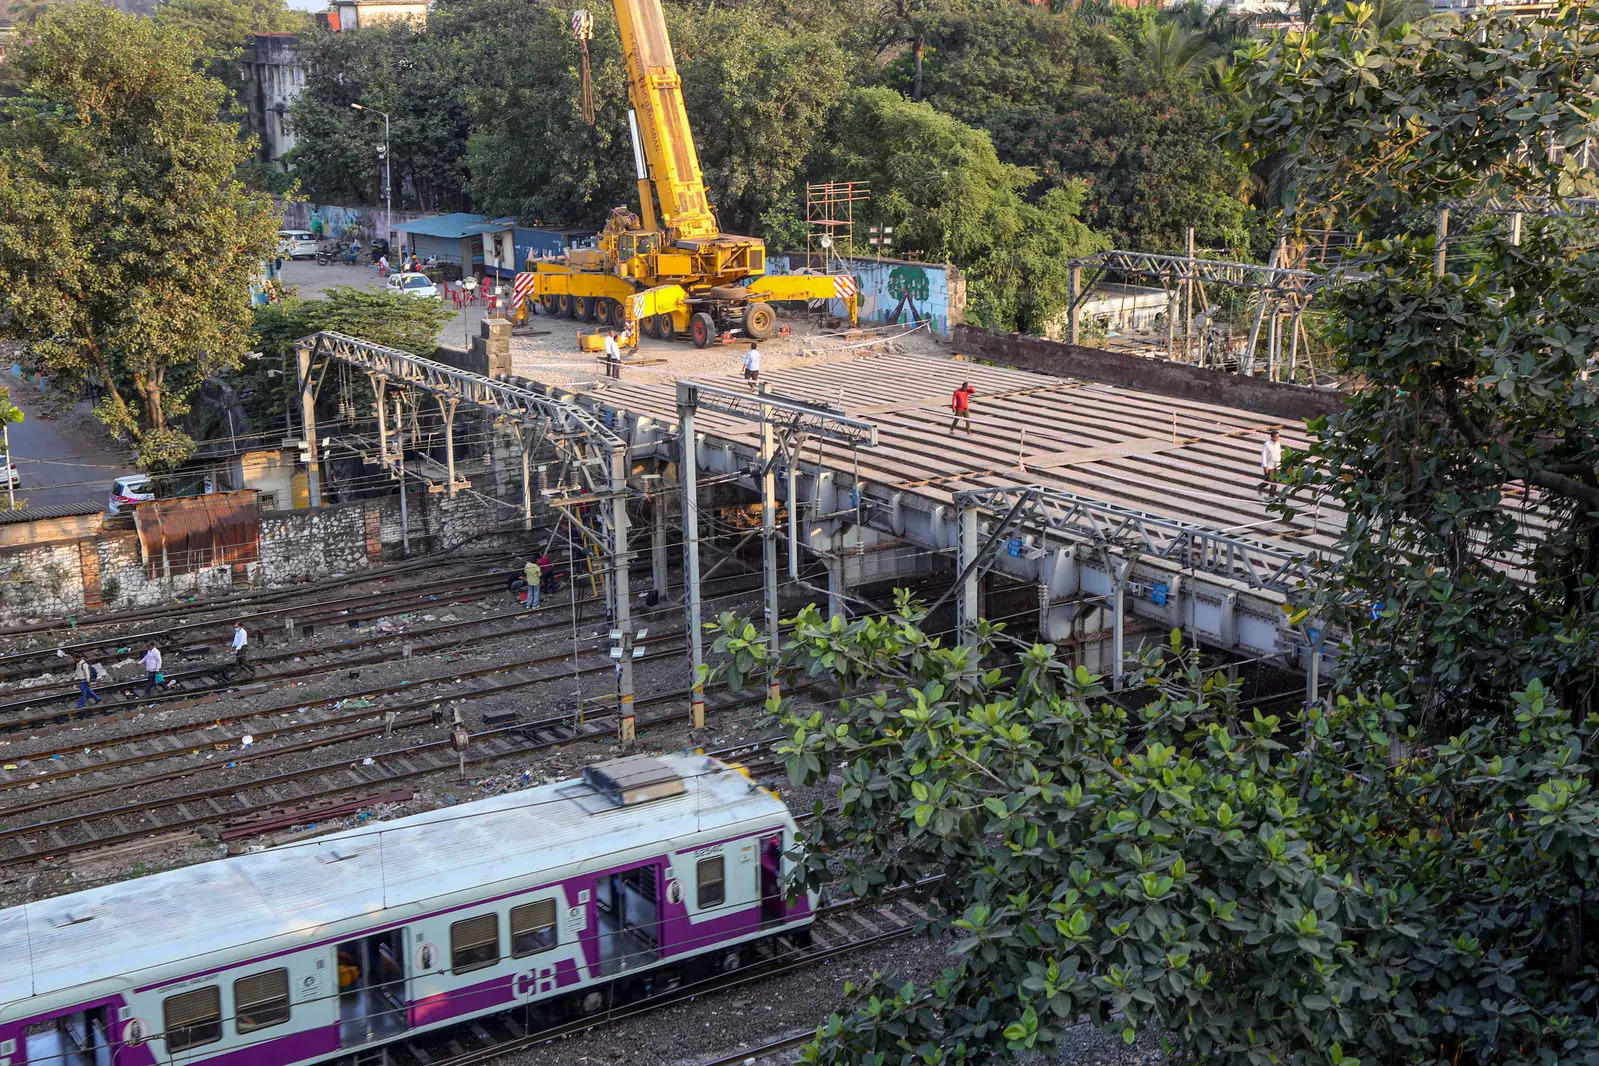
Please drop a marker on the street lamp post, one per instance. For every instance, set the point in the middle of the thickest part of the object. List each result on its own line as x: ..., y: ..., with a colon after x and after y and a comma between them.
x: 388, y: 184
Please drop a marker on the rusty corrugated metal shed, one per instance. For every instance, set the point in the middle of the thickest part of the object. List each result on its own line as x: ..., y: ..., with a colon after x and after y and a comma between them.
x: 183, y: 535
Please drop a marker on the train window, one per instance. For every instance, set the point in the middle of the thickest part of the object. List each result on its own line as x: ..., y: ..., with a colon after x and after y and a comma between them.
x: 193, y: 1018
x: 475, y: 943
x: 532, y: 928
x: 260, y: 1000
x: 712, y: 889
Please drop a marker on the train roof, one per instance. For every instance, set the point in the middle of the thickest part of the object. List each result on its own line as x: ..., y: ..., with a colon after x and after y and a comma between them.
x: 301, y: 889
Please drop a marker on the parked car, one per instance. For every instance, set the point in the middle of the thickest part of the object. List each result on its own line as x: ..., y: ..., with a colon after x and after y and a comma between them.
x: 411, y: 284
x: 126, y: 492
x: 9, y: 478
x: 297, y: 243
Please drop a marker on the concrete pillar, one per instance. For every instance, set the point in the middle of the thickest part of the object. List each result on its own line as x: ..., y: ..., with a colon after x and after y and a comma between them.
x: 769, y: 549
x: 1073, y: 309
x: 688, y: 479
x: 620, y: 606
x: 1118, y: 642
x: 379, y: 388
x: 313, y: 473
x: 966, y: 595
x: 524, y: 440
x: 447, y: 413
x: 658, y: 573
x: 836, y: 585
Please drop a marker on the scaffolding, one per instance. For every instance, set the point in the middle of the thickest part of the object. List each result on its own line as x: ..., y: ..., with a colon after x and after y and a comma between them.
x: 830, y: 215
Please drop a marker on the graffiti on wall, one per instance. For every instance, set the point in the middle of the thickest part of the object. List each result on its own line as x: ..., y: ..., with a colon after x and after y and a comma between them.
x: 893, y: 292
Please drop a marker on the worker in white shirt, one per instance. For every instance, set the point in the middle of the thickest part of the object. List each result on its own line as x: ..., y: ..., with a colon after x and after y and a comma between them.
x: 1271, y: 456
x: 752, y: 367
x: 152, y: 669
x: 613, y: 356
x: 241, y: 646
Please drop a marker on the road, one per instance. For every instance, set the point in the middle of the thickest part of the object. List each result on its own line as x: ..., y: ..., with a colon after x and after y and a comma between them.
x: 61, y: 458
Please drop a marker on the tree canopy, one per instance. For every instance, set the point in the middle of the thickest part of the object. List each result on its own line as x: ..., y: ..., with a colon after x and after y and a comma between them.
x: 1402, y: 874
x: 942, y: 187
x: 127, y: 245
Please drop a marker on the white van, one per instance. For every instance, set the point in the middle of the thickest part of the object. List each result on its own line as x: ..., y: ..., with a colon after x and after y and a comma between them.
x: 296, y: 243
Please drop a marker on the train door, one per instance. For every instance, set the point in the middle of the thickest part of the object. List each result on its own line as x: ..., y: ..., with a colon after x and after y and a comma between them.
x: 627, y: 916
x: 772, y: 879
x: 77, y: 1039
x: 371, y: 973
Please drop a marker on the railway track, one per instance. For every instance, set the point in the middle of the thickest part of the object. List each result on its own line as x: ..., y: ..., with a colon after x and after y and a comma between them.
x: 239, y: 802
x: 25, y: 665
x: 840, y: 929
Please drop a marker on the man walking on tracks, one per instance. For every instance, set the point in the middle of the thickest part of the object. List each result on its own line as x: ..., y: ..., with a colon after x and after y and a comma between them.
x: 151, y: 662
x: 961, y: 405
x: 752, y: 368
x: 1271, y: 457
x: 241, y: 648
x: 83, y: 673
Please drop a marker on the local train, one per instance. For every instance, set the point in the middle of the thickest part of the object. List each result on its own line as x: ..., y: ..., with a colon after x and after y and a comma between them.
x: 563, y: 898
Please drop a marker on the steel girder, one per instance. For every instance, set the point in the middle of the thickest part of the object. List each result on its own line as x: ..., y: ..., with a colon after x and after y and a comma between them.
x: 1170, y: 269
x: 574, y: 429
x: 1193, y: 548
x: 798, y: 417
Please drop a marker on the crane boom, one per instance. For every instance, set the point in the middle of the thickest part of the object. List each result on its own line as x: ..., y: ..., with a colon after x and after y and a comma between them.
x: 671, y: 272
x: 656, y: 92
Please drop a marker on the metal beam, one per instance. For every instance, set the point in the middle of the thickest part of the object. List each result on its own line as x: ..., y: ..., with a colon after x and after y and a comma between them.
x: 1192, y: 547
x: 808, y: 419
x: 1170, y: 269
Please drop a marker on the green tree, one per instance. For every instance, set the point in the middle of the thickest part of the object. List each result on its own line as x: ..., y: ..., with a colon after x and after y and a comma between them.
x: 1466, y: 460
x: 415, y: 77
x: 941, y: 186
x: 127, y: 246
x: 221, y: 28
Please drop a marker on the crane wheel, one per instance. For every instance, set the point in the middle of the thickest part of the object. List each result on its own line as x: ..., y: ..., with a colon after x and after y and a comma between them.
x: 651, y: 325
x: 549, y: 302
x: 664, y: 327
x: 759, y: 320
x: 701, y: 329
x: 591, y: 308
x: 611, y: 313
x: 564, y: 305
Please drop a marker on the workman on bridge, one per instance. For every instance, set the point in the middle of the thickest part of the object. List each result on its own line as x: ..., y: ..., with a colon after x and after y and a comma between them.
x: 752, y: 367
x: 1271, y: 456
x: 961, y: 405
x: 613, y: 356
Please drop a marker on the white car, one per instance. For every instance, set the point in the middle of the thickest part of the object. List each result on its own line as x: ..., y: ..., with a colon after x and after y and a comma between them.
x: 9, y: 478
x: 411, y: 284
x: 128, y: 491
x: 297, y: 243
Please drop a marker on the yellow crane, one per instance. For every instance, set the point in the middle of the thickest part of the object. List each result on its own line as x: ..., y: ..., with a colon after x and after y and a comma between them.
x: 668, y: 270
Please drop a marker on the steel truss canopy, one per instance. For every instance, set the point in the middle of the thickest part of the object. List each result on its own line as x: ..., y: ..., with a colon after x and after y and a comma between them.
x: 1170, y: 269
x: 810, y: 420
x: 1193, y: 548
x: 512, y: 401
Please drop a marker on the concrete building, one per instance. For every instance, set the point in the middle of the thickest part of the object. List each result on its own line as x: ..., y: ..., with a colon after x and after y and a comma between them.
x: 345, y: 15
x: 273, y: 78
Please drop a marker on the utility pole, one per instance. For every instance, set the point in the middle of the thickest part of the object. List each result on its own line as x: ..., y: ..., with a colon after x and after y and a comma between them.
x: 405, y: 519
x: 388, y: 184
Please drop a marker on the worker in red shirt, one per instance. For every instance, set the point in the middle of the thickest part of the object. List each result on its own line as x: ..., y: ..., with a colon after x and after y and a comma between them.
x: 960, y: 403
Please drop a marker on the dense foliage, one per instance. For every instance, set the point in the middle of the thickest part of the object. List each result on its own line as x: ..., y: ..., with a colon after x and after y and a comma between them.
x: 127, y: 246
x: 1406, y: 874
x: 1255, y: 890
x: 494, y: 87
